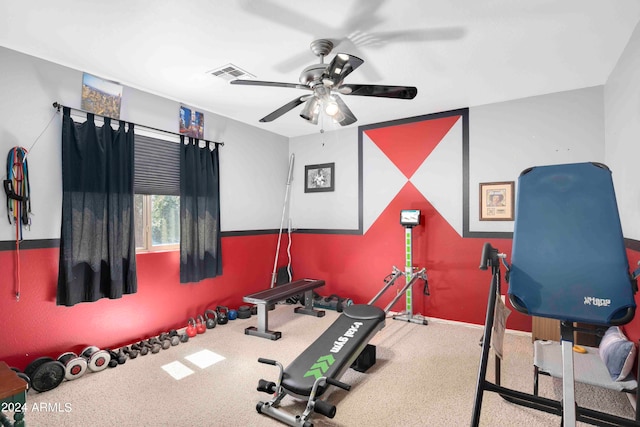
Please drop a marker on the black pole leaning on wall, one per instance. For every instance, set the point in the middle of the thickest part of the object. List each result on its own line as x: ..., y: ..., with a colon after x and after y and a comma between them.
x: 58, y: 106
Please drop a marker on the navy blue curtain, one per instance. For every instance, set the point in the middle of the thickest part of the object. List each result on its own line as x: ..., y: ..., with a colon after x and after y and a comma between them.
x: 200, y: 246
x: 97, y: 241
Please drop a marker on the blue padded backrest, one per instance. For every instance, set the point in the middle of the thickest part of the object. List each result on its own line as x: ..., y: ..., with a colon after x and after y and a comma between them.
x: 568, y: 260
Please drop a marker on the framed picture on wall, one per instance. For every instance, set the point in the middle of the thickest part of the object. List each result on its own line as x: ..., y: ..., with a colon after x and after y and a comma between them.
x: 319, y: 178
x: 100, y: 96
x: 191, y: 122
x: 496, y: 201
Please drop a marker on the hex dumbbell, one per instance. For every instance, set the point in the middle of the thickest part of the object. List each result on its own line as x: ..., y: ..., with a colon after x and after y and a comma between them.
x: 153, y: 347
x: 143, y: 350
x: 173, y: 339
x: 164, y: 344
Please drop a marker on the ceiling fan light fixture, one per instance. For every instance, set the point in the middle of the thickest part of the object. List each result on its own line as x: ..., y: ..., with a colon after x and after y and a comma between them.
x: 331, y: 107
x: 310, y: 110
x: 325, y: 82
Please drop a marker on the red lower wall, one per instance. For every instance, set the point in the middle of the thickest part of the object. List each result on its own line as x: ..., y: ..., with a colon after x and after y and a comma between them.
x: 352, y: 266
x: 35, y: 326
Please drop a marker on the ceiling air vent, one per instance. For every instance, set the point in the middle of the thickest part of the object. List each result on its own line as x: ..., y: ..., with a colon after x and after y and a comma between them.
x: 231, y: 72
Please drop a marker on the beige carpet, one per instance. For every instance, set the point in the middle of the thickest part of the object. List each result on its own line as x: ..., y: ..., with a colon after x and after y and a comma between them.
x: 424, y: 376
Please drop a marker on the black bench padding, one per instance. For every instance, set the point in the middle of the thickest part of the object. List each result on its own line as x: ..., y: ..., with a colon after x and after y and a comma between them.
x: 369, y: 320
x: 282, y: 292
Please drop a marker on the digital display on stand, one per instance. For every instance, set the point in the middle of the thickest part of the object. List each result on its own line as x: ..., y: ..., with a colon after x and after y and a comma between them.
x: 410, y: 217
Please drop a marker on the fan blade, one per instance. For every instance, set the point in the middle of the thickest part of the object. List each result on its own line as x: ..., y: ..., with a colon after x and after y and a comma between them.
x: 400, y: 92
x: 340, y: 67
x: 284, y: 109
x: 344, y: 116
x: 272, y: 84
x: 286, y: 17
x: 421, y: 35
x: 363, y: 15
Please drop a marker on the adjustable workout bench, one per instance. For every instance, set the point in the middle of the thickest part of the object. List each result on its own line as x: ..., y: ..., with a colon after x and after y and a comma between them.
x: 281, y: 293
x: 323, y: 362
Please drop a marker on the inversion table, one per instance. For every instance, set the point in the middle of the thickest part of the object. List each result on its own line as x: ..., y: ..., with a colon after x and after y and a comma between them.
x: 326, y: 359
x: 568, y: 263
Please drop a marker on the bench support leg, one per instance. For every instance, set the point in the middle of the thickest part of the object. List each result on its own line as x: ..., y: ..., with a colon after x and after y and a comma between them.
x: 308, y: 306
x: 263, y: 325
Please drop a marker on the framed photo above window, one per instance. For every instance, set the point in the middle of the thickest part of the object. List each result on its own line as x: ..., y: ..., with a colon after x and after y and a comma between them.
x: 191, y: 122
x: 496, y: 201
x: 100, y: 96
x: 319, y: 178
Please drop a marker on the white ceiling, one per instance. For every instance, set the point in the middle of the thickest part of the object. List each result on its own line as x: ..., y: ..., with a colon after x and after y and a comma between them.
x: 458, y: 53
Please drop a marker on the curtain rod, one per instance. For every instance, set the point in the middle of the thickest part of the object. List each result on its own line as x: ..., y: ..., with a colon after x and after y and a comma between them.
x: 57, y: 106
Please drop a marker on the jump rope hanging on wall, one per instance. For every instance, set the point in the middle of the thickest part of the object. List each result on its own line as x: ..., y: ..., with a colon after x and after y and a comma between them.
x: 17, y: 189
x: 18, y: 192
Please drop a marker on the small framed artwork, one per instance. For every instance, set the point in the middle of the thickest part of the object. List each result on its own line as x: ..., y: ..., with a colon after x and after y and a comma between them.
x: 100, y: 96
x: 319, y: 178
x: 496, y: 201
x: 191, y: 122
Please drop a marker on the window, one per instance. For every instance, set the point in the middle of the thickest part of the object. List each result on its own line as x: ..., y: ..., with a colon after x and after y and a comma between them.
x: 157, y: 221
x: 157, y: 193
x: 156, y: 187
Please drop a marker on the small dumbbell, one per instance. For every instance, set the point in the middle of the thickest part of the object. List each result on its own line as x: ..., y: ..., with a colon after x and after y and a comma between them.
x: 164, y: 344
x: 153, y: 347
x: 119, y: 357
x: 113, y: 358
x: 173, y: 339
x: 183, y: 337
x: 143, y: 350
x: 131, y: 353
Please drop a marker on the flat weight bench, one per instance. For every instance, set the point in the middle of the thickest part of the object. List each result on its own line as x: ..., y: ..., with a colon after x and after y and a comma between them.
x: 343, y: 345
x: 280, y: 293
x: 13, y: 396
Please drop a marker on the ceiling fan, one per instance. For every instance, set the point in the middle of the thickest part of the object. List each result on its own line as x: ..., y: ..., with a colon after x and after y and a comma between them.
x: 326, y: 82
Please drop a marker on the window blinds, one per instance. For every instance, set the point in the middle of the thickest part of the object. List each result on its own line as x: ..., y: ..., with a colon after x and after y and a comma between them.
x: 157, y: 166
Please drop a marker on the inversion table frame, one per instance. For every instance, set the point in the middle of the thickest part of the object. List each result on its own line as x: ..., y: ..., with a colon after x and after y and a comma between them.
x: 491, y: 259
x: 569, y: 263
x: 280, y: 293
x: 326, y: 359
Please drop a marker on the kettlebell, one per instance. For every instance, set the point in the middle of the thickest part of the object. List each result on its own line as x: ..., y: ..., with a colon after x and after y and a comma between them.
x: 233, y: 314
x: 223, y: 317
x: 200, y: 326
x: 211, y: 319
x: 191, y: 328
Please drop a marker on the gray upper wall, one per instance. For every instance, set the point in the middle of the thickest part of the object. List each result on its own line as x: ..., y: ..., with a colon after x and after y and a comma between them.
x: 622, y: 134
x: 504, y: 139
x: 253, y: 162
x: 591, y: 124
x: 508, y: 137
